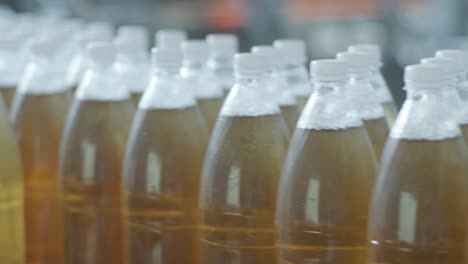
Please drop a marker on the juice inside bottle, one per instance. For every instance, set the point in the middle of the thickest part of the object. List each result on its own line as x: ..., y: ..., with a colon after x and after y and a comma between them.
x: 220, y: 64
x: 382, y: 90
x: 363, y: 96
x: 209, y: 94
x: 241, y: 173
x: 132, y: 67
x: 277, y: 86
x: 418, y: 212
x: 92, y: 153
x: 296, y: 72
x: 327, y: 178
x: 162, y: 169
x: 12, y: 248
x: 38, y: 116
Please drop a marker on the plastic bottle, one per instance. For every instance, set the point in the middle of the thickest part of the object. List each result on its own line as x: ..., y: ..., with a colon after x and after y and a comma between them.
x: 169, y: 38
x: 277, y: 85
x: 380, y: 85
x: 12, y: 248
x: 162, y: 169
x: 223, y: 47
x: 328, y: 177
x: 202, y: 82
x: 132, y: 67
x: 418, y: 211
x: 91, y: 159
x: 364, y: 99
x: 38, y: 115
x: 296, y: 72
x: 241, y: 172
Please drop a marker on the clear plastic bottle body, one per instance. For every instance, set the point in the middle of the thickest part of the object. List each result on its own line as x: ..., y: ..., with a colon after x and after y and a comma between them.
x: 418, y: 212
x: 370, y: 109
x: 240, y: 180
x: 38, y: 120
x: 290, y: 115
x: 12, y: 244
x: 326, y: 183
x: 8, y: 93
x: 92, y: 152
x: 162, y: 173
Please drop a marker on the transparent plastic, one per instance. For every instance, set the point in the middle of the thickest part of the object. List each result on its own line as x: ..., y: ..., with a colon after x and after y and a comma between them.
x: 91, y: 160
x: 240, y: 178
x: 38, y: 115
x: 384, y: 96
x: 326, y: 182
x: 12, y: 244
x: 222, y: 68
x: 162, y: 172
x: 369, y: 109
x: 298, y: 81
x: 12, y: 64
x: 418, y: 212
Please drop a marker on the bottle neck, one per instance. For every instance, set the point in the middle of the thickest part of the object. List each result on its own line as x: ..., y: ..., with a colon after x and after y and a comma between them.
x: 328, y: 86
x: 361, y: 76
x: 166, y: 71
x: 193, y: 65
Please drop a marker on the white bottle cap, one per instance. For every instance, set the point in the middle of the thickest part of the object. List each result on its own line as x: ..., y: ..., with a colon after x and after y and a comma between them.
x: 294, y: 48
x: 328, y: 70
x: 170, y: 38
x: 195, y: 51
x: 447, y: 64
x: 101, y: 54
x: 249, y: 64
x: 275, y: 56
x: 43, y: 48
x: 426, y: 75
x: 104, y: 29
x: 459, y: 57
x: 222, y: 45
x: 164, y: 57
x: 134, y: 33
x: 372, y: 49
x: 356, y: 61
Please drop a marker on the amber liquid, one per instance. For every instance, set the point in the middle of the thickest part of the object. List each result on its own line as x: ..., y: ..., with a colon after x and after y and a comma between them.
x: 324, y: 197
x: 91, y: 173
x: 301, y: 102
x: 239, y: 190
x: 391, y: 112
x: 378, y: 132
x: 38, y: 121
x: 464, y: 129
x: 419, y: 206
x: 136, y: 98
x: 290, y: 114
x: 12, y: 249
x: 162, y: 171
x: 8, y: 93
x: 210, y: 110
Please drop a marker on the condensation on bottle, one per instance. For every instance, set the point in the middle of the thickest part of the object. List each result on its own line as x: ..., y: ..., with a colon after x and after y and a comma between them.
x: 328, y: 176
x: 418, y: 211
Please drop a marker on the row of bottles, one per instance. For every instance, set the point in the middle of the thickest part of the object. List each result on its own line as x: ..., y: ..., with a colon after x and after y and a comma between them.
x: 202, y: 155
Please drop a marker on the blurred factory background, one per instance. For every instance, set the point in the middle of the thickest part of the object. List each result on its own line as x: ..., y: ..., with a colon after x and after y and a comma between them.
x: 407, y: 30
